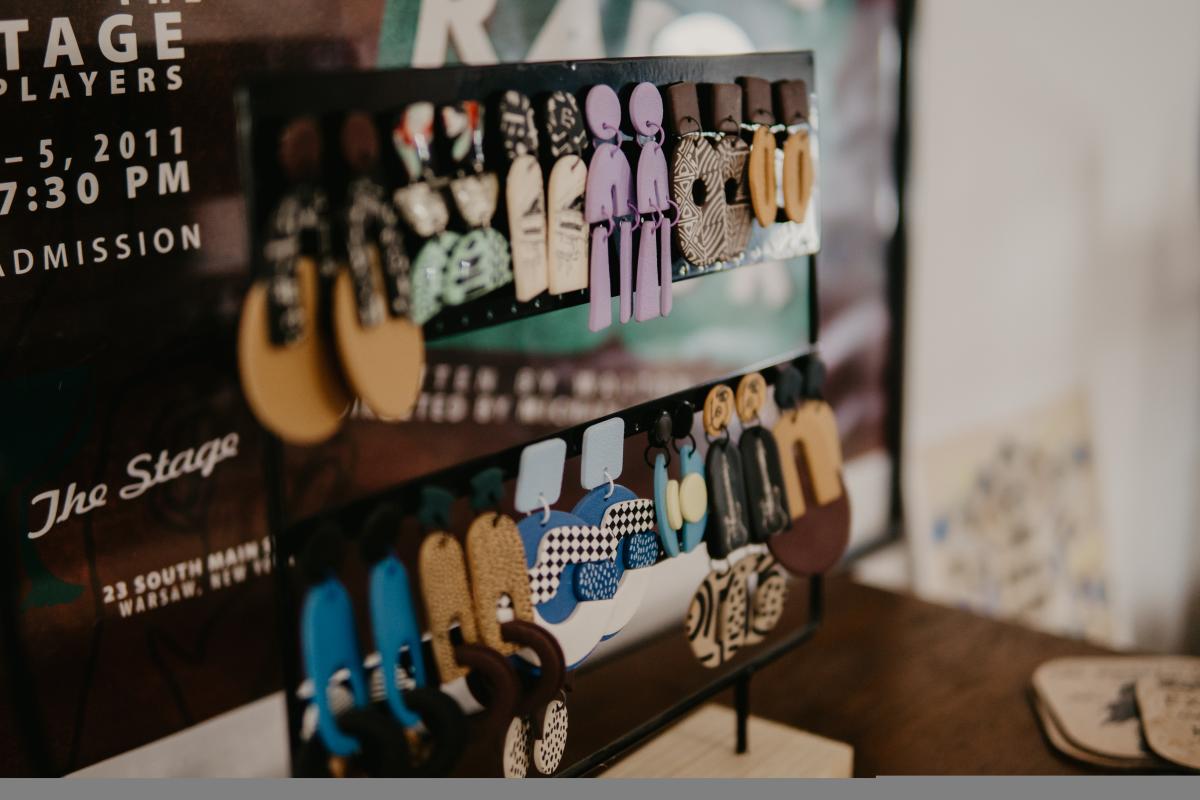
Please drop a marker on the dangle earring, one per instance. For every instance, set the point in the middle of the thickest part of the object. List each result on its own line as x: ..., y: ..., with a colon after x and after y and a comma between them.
x: 799, y: 174
x: 432, y: 721
x: 756, y: 96
x: 381, y: 350
x: 423, y: 208
x: 525, y: 199
x: 681, y: 507
x: 356, y: 738
x: 653, y: 201
x: 480, y: 261
x: 697, y: 182
x: 807, y: 434
x: 765, y: 494
x: 289, y: 375
x: 617, y: 511
x: 726, y: 119
x: 567, y: 235
x: 607, y: 208
x: 728, y: 526
x: 572, y: 603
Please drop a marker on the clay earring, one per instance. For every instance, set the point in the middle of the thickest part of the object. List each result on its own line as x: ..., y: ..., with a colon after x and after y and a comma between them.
x: 681, y: 506
x: 426, y: 714
x: 726, y: 113
x: 654, y: 273
x: 567, y: 239
x: 765, y: 494
x: 525, y: 198
x: 807, y: 434
x: 357, y: 738
x: 798, y: 168
x: 606, y: 208
x: 556, y: 545
x: 756, y: 97
x: 289, y: 375
x: 423, y: 209
x: 728, y: 526
x: 616, y: 510
x: 381, y: 350
x: 480, y: 261
x: 697, y: 182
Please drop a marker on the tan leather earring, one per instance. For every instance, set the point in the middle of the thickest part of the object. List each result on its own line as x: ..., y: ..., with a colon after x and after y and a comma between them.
x: 289, y: 375
x: 756, y: 99
x: 798, y: 166
x: 381, y: 349
x: 807, y: 435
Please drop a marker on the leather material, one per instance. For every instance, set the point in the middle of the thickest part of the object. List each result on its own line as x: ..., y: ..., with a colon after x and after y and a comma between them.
x: 295, y: 390
x: 766, y: 498
x: 810, y: 454
x: 799, y: 175
x: 496, y: 562
x: 728, y: 507
x: 725, y: 116
x: 698, y: 188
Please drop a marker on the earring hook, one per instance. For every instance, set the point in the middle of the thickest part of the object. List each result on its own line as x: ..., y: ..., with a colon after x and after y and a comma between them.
x: 612, y: 485
x: 545, y: 509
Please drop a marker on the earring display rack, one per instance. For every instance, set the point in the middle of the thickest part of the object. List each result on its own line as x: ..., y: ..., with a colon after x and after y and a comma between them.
x: 266, y: 105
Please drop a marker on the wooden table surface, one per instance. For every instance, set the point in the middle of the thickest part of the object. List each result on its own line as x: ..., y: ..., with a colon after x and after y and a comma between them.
x: 915, y: 688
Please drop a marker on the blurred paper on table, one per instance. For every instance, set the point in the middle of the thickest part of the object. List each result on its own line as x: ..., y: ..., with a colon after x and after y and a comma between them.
x: 1006, y: 523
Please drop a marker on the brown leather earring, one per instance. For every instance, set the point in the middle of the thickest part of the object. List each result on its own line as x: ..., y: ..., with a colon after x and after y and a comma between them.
x: 756, y: 100
x: 697, y: 180
x: 726, y: 119
x: 799, y: 175
x: 288, y: 371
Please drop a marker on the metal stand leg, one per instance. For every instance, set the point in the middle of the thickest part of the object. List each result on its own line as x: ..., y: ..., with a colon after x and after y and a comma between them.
x: 741, y: 703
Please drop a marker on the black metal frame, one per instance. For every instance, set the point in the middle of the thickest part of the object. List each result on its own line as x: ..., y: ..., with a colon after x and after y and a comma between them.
x: 290, y: 539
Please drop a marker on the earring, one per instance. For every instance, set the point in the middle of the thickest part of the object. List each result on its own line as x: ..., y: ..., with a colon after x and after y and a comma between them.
x: 798, y: 172
x: 606, y: 208
x: 396, y: 633
x: 726, y: 113
x: 807, y: 433
x: 616, y: 510
x: 654, y: 273
x: 423, y: 209
x: 681, y: 507
x: 381, y: 351
x: 756, y: 95
x: 716, y: 618
x: 728, y: 527
x: 355, y: 739
x: 557, y: 544
x: 524, y: 196
x: 567, y: 240
x: 697, y: 185
x: 289, y: 376
x: 480, y: 260
x: 763, y: 473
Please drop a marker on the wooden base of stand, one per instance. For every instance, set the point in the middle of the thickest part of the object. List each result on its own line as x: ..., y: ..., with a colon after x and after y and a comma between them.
x: 702, y: 746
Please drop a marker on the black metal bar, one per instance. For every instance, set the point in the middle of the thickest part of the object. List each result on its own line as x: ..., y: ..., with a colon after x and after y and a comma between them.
x: 741, y: 705
x: 285, y: 604
x: 456, y: 479
x: 658, y: 722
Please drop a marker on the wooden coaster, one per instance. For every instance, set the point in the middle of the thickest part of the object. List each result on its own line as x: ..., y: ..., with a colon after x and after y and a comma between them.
x: 1067, y: 748
x: 295, y: 391
x: 447, y: 596
x: 1093, y: 701
x: 385, y: 362
x: 1169, y: 704
x: 496, y: 559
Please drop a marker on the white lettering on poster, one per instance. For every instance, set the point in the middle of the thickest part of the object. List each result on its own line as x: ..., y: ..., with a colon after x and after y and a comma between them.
x: 54, y: 506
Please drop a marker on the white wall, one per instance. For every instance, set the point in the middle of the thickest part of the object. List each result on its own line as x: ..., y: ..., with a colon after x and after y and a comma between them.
x: 1055, y: 232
